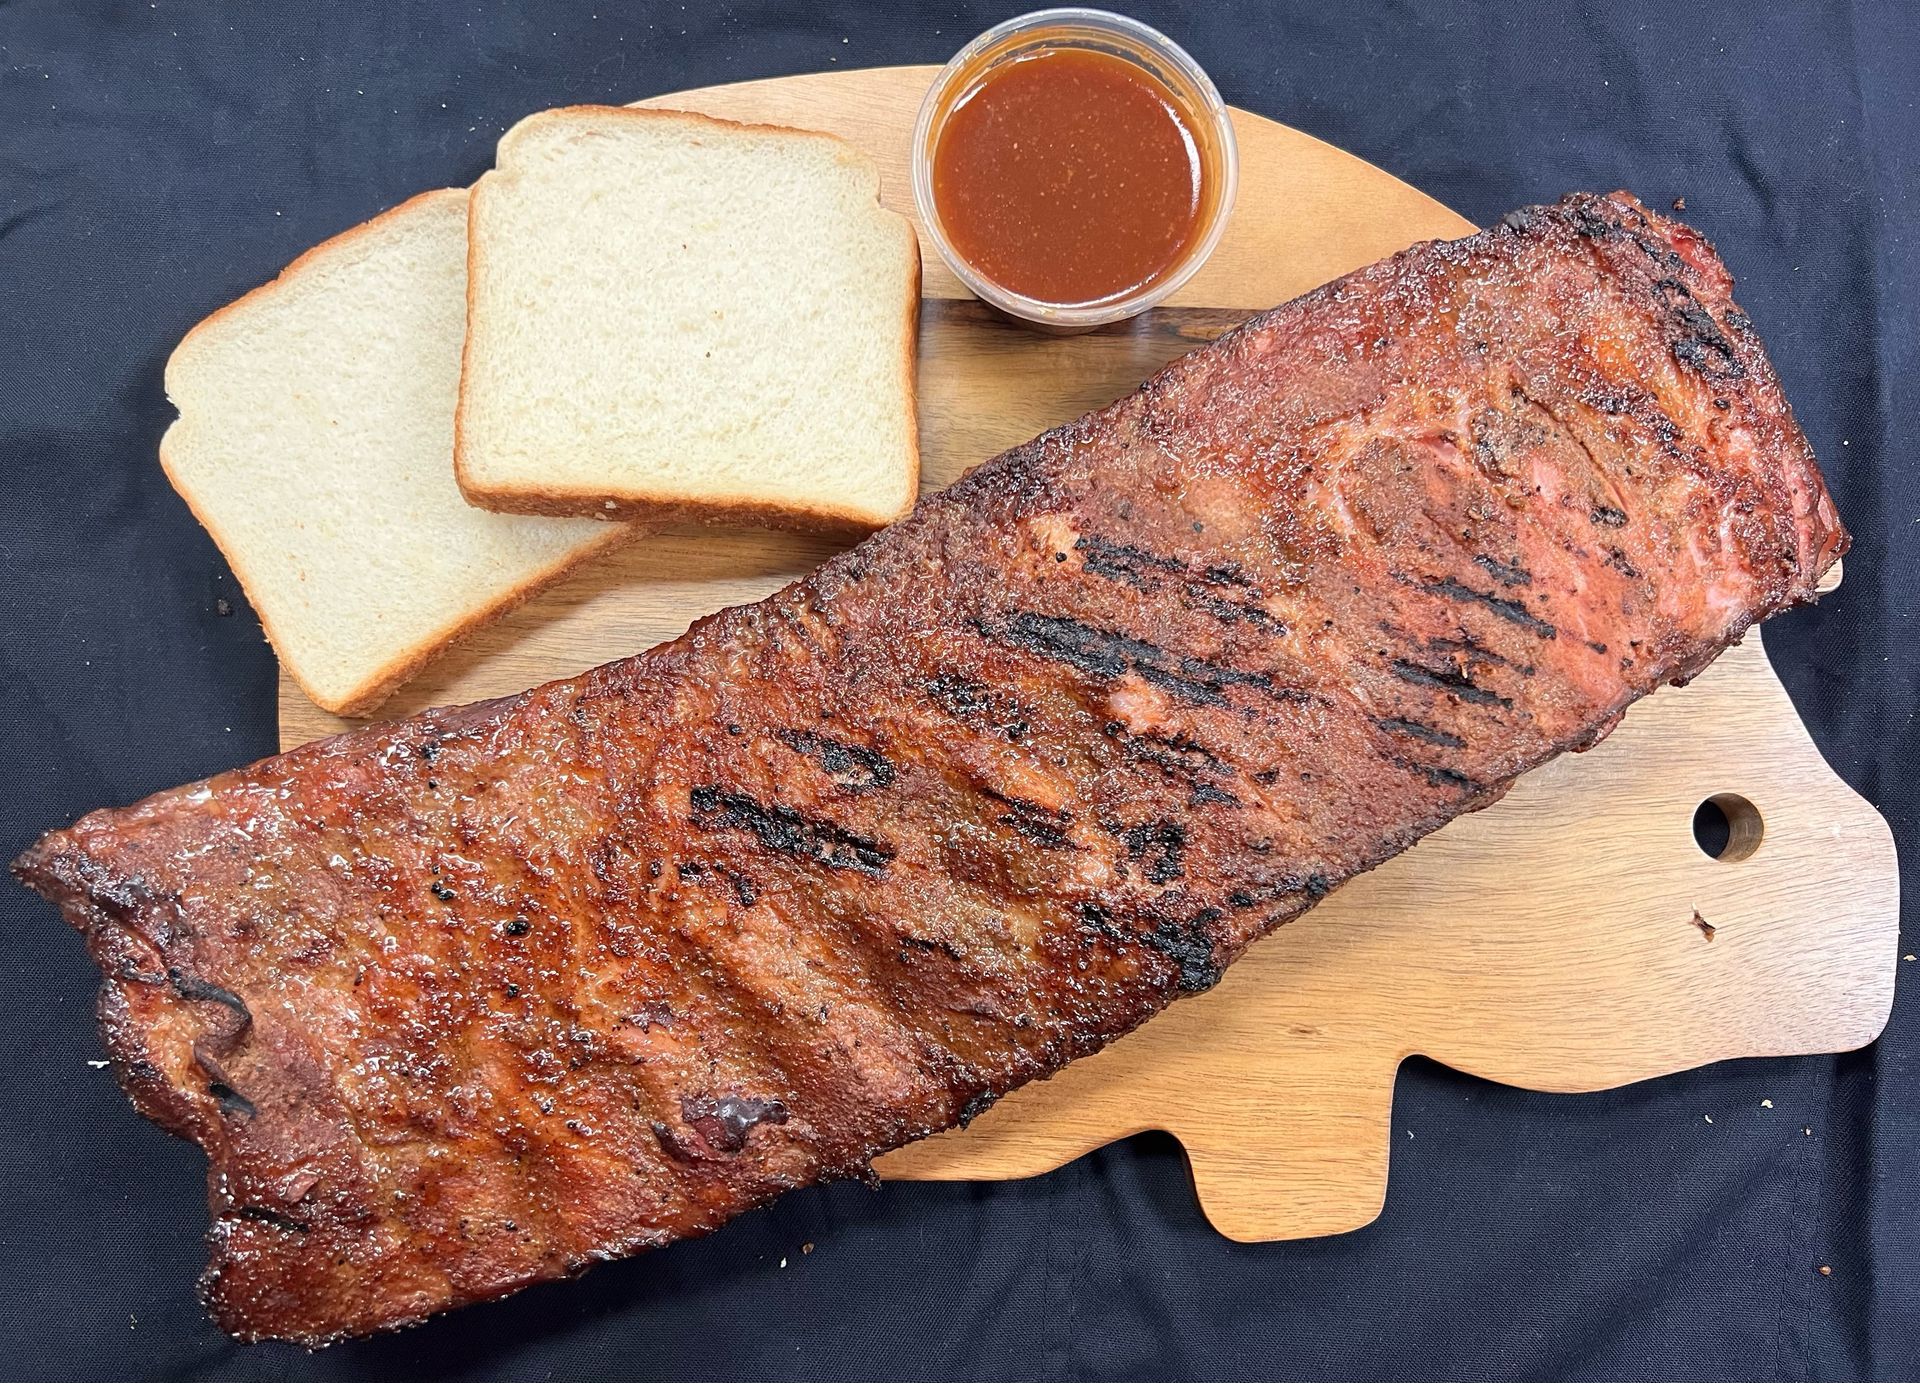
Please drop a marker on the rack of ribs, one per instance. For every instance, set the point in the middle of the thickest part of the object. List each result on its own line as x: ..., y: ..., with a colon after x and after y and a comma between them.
x: 471, y: 1000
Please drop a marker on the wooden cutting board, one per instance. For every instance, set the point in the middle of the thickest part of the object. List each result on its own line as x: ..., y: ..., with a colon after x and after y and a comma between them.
x: 1572, y: 937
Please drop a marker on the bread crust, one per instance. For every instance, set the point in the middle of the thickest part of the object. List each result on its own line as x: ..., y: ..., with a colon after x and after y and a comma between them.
x: 555, y: 500
x: 380, y: 682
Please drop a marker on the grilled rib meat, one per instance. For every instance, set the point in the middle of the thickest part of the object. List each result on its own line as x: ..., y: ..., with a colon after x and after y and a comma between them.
x: 471, y: 1000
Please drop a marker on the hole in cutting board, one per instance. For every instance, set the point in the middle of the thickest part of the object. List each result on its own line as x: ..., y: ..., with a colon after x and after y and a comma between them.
x: 1727, y: 827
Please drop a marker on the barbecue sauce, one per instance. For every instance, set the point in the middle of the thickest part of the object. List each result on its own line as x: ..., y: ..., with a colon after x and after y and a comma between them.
x: 1070, y: 176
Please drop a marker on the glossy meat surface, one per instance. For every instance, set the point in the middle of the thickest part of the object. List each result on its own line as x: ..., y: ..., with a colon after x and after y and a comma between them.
x: 471, y: 1000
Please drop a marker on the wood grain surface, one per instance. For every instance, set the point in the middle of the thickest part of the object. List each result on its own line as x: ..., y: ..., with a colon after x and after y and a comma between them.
x: 1572, y: 937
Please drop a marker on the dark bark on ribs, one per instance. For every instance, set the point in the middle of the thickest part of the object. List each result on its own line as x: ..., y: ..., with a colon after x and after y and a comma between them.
x: 472, y: 1000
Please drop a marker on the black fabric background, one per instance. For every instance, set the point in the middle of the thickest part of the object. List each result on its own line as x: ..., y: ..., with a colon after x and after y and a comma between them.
x: 158, y: 159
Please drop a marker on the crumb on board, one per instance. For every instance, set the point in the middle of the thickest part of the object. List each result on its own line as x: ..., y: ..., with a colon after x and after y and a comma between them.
x: 1707, y: 929
x: 1825, y: 1270
x: 1707, y: 1117
x: 783, y: 1262
x: 807, y: 1247
x: 99, y: 1065
x: 1679, y: 203
x: 1766, y: 1104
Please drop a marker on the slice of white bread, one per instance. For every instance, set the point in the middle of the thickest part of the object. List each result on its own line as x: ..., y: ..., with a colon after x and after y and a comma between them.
x: 315, y: 442
x: 671, y: 315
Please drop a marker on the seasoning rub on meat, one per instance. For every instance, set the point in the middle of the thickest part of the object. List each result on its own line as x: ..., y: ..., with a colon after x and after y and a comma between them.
x: 472, y: 1000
